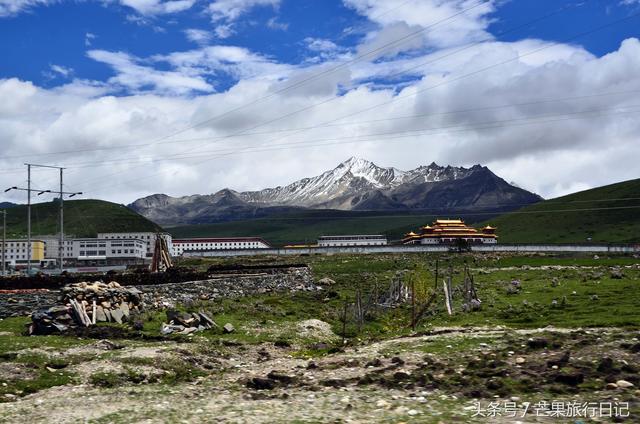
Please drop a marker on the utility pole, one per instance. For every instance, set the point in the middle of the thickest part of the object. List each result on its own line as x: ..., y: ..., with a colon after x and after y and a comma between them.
x: 28, y: 219
x: 61, y: 245
x: 4, y: 243
x: 61, y: 194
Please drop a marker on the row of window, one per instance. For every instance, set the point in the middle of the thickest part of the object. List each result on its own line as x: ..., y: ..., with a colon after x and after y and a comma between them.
x: 189, y: 246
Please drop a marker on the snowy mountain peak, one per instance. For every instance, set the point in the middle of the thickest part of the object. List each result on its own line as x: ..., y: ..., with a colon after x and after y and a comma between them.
x: 355, y: 184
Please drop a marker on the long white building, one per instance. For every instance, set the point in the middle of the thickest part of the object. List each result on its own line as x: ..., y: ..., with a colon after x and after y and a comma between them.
x: 352, y: 240
x: 220, y: 243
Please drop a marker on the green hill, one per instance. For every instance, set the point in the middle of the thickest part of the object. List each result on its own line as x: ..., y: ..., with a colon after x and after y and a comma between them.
x: 307, y: 226
x: 82, y: 218
x: 605, y: 214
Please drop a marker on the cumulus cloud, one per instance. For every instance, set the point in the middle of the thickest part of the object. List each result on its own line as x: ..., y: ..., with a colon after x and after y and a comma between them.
x: 444, y: 23
x: 553, y: 121
x: 134, y: 76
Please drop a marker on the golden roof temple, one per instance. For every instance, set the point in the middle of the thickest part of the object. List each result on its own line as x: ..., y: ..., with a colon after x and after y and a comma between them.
x: 449, y: 231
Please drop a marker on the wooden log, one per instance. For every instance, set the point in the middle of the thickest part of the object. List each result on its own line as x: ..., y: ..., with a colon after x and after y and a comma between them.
x: 93, y: 313
x: 447, y: 299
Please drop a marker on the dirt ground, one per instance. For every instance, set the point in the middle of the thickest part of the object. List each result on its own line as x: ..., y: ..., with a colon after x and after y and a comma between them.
x: 448, y: 375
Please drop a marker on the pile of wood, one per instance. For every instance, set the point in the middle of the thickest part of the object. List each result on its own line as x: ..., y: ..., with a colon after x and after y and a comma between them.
x: 186, y: 323
x: 85, y: 304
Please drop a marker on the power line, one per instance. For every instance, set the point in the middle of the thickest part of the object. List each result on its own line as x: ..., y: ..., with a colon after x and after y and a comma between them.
x: 478, y: 71
x: 555, y: 12
x: 407, y: 37
x: 335, y: 124
x: 382, y: 136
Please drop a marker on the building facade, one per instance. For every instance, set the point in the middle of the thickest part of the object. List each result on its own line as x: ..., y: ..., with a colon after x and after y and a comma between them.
x: 109, y: 250
x: 16, y: 251
x: 148, y: 237
x: 352, y: 240
x: 180, y: 246
x: 450, y: 231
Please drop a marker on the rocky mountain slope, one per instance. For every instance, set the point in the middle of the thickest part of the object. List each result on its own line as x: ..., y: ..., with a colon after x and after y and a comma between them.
x: 355, y: 184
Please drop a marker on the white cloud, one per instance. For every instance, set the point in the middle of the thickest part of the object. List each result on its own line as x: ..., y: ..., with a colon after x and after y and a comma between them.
x: 169, y: 92
x: 62, y: 70
x: 158, y: 7
x: 442, y: 23
x: 88, y: 38
x: 230, y: 10
x: 320, y: 44
x: 273, y: 23
x: 133, y: 76
x: 198, y: 36
x: 13, y: 7
x: 224, y: 31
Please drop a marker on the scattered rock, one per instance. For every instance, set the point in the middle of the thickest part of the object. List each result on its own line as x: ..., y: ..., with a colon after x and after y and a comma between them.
x: 326, y: 281
x: 537, y: 343
x: 374, y: 363
x: 616, y: 273
x: 570, y: 379
x: 397, y: 360
x: 259, y: 383
x: 283, y: 378
x: 624, y: 384
x: 605, y: 365
x: 228, y: 328
x: 520, y: 360
x: 611, y: 386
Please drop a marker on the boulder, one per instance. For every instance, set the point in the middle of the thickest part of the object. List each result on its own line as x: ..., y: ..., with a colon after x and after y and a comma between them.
x: 624, y: 384
x: 117, y: 315
x: 100, y: 315
x: 326, y: 281
x: 228, y: 328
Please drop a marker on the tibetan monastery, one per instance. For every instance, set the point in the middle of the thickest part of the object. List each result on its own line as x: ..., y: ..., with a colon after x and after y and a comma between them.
x: 446, y: 231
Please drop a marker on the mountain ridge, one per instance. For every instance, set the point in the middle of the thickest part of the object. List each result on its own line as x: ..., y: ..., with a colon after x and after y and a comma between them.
x: 355, y: 184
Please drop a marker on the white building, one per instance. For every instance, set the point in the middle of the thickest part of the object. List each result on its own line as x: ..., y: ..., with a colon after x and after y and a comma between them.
x: 352, y: 240
x: 15, y: 251
x: 51, y: 247
x: 98, y: 249
x: 205, y: 244
x: 148, y: 237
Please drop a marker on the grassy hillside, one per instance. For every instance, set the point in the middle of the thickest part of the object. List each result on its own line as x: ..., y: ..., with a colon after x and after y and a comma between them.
x: 82, y: 218
x: 307, y: 226
x: 606, y: 214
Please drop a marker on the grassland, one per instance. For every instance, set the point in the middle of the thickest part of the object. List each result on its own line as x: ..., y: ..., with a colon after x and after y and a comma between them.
x: 579, y: 304
x: 605, y: 214
x: 83, y: 218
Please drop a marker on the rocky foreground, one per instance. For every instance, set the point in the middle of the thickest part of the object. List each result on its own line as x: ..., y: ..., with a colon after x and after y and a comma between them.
x: 447, y: 375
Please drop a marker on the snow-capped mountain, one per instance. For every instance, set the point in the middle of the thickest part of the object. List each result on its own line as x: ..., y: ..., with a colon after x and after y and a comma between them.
x: 355, y: 184
x: 353, y: 176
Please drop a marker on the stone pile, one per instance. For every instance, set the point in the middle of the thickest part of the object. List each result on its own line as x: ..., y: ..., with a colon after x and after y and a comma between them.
x: 163, y: 296
x: 84, y: 304
x: 186, y: 323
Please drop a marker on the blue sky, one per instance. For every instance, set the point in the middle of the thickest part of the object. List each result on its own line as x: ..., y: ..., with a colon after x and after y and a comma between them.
x: 169, y: 88
x: 61, y: 33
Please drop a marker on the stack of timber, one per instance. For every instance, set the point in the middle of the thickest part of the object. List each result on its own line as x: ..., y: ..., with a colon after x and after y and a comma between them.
x: 161, y: 260
x: 85, y: 304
